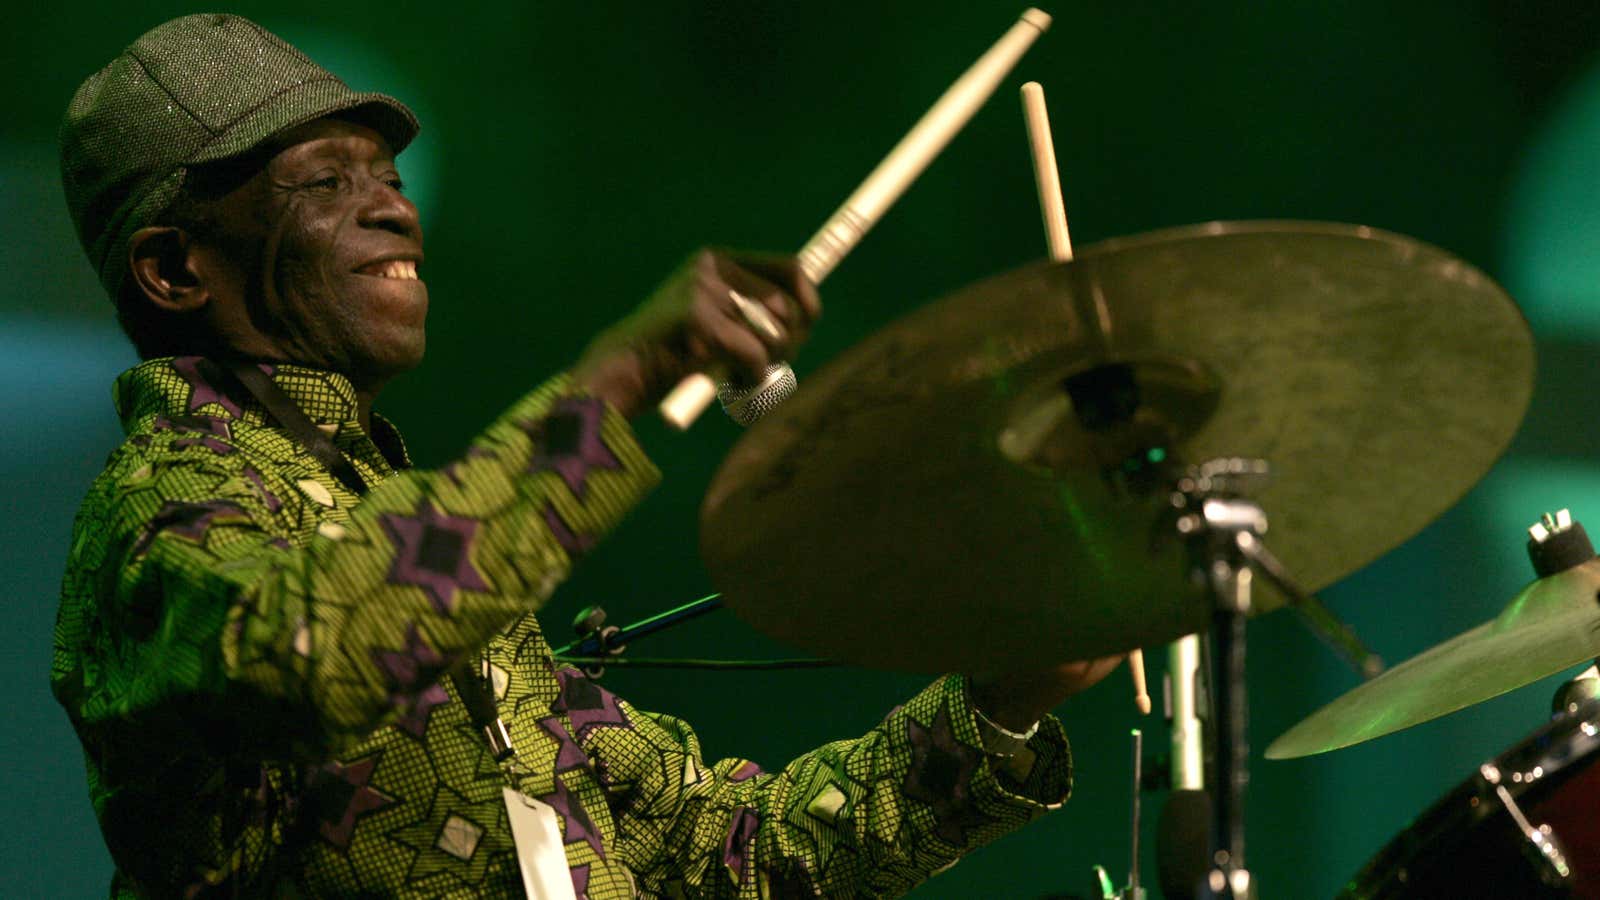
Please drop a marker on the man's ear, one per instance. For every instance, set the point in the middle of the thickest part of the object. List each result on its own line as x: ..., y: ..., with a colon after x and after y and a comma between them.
x: 160, y: 262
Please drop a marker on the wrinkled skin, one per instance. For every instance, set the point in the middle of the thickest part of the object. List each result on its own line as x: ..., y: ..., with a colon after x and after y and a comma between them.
x: 283, y: 274
x: 287, y: 272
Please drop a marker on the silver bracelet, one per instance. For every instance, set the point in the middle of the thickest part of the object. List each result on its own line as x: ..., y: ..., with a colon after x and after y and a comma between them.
x: 999, y: 740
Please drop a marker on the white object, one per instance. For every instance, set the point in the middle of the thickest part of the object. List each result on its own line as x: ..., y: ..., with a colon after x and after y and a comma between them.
x: 540, y: 853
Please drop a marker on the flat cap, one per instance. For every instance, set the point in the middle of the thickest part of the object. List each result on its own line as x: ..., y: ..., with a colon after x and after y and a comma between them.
x: 194, y: 90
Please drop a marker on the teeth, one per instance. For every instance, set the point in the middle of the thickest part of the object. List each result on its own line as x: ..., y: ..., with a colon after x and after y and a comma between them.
x: 397, y: 268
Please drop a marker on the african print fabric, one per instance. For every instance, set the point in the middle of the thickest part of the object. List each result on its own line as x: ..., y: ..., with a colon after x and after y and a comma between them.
x: 253, y: 658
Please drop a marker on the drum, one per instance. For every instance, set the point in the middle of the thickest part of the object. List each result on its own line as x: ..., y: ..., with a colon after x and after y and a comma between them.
x: 1526, y: 825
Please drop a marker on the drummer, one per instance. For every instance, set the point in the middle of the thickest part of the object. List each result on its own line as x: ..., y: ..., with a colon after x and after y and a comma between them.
x: 297, y: 664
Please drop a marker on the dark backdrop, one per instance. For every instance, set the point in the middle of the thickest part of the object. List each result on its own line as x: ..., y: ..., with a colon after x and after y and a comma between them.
x: 573, y: 153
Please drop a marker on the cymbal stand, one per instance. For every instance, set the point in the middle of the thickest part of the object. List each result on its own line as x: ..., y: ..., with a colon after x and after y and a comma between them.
x: 1556, y: 543
x: 1222, y: 528
x: 1134, y: 890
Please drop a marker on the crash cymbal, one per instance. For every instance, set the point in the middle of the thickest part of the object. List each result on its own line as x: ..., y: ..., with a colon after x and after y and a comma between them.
x: 978, y: 485
x: 1552, y: 625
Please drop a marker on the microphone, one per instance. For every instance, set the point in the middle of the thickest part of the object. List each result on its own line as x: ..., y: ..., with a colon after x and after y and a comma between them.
x: 746, y: 403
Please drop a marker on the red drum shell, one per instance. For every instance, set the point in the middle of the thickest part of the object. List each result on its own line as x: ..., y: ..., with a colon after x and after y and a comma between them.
x: 1467, y: 845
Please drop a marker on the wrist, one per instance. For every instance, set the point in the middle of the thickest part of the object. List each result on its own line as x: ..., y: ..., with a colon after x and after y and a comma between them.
x: 1004, y: 729
x: 1003, y: 706
x: 615, y: 380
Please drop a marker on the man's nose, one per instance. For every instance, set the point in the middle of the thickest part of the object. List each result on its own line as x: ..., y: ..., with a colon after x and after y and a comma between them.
x: 383, y: 206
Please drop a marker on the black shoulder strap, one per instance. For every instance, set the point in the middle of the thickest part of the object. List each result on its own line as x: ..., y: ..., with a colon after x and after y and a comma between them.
x: 292, y: 417
x: 474, y: 693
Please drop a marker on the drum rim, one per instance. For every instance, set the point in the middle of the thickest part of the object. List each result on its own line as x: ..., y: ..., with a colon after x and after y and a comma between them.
x: 1549, y: 749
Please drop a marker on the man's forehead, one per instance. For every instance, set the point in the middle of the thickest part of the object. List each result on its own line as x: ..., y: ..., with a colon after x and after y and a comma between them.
x: 333, y: 135
x: 319, y: 141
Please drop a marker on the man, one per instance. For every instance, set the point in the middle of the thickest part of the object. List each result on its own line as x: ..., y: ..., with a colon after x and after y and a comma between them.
x: 300, y: 667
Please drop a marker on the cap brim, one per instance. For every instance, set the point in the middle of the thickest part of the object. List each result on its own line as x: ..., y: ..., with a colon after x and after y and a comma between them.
x: 307, y: 102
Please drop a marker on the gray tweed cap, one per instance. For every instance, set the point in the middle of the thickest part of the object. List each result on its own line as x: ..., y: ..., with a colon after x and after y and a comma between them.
x: 193, y: 90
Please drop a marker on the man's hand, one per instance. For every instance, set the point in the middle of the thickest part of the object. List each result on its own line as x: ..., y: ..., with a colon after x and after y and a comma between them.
x: 1016, y: 700
x: 692, y: 324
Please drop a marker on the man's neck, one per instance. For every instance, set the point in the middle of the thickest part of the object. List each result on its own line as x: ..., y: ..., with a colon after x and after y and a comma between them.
x: 364, y: 400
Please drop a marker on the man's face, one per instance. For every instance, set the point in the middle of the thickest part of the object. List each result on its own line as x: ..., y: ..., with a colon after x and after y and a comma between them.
x: 314, y: 259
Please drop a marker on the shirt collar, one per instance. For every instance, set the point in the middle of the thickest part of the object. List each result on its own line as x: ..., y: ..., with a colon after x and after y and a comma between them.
x: 196, y: 386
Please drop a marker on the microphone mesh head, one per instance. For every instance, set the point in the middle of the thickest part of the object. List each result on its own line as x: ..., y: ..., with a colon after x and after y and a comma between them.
x: 745, y: 403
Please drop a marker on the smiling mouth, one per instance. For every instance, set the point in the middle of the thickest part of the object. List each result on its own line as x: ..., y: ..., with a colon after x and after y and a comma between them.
x: 401, y: 269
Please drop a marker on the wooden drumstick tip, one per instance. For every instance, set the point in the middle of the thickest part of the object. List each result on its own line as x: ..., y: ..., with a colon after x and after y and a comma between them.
x: 1141, y: 693
x: 1052, y: 209
x: 688, y: 400
x: 1036, y: 17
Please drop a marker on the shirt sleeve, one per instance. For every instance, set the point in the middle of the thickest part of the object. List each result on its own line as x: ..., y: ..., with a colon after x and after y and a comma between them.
x: 210, y: 624
x: 874, y: 816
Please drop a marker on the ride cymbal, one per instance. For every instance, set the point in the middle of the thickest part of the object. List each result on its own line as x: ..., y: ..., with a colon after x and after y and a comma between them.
x: 982, y: 484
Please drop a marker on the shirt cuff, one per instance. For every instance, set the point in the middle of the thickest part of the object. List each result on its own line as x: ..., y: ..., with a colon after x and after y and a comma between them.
x: 956, y: 794
x: 1037, y: 777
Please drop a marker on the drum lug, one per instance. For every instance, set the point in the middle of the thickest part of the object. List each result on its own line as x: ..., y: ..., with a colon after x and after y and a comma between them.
x: 1546, y: 850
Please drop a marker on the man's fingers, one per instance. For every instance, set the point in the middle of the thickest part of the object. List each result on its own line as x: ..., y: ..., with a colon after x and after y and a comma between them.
x: 759, y: 317
x: 801, y: 304
x: 748, y: 310
x: 728, y: 339
x: 761, y: 306
x: 784, y: 271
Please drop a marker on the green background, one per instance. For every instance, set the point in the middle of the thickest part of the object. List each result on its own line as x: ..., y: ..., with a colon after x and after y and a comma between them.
x: 573, y: 154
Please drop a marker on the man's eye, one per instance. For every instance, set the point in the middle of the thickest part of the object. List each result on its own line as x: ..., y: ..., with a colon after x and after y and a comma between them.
x: 324, y: 184
x: 396, y: 183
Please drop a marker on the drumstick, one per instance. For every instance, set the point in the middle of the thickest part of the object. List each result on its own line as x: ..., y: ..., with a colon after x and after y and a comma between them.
x: 1023, y: 437
x: 1043, y: 151
x: 1054, y: 211
x: 851, y: 221
x: 1141, y: 694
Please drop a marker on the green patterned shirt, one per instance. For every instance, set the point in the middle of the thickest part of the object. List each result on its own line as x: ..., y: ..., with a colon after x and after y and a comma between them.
x: 253, y: 658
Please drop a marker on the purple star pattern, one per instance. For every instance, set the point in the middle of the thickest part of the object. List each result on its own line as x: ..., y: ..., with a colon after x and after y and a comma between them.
x: 787, y: 879
x: 745, y: 771
x: 575, y: 544
x: 340, y: 794
x: 210, y: 443
x: 413, y: 674
x: 434, y: 552
x: 736, y: 848
x: 580, y: 881
x: 587, y: 705
x: 575, y: 822
x: 268, y: 498
x: 202, y: 374
x: 189, y: 521
x: 570, y: 755
x: 568, y: 442
x: 941, y: 776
